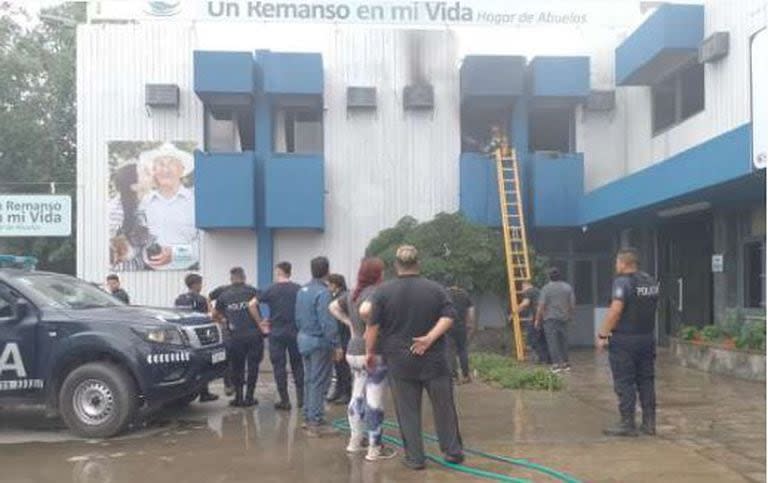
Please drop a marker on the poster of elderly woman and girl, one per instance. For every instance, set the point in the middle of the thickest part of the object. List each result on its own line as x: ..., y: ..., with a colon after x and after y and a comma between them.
x: 152, y: 206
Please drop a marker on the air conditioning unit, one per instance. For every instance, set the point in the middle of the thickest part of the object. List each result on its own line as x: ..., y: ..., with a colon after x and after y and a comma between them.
x: 161, y: 95
x: 601, y: 101
x: 419, y: 97
x: 714, y: 47
x: 361, y: 97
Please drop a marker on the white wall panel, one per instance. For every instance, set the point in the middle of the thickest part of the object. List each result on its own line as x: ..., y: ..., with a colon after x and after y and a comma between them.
x: 726, y: 104
x: 114, y: 63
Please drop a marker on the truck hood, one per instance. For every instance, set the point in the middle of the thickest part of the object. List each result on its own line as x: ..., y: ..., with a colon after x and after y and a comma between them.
x: 135, y: 315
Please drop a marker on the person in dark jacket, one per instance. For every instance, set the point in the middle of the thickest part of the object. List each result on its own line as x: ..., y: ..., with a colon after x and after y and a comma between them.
x: 113, y: 286
x: 193, y: 300
x: 462, y: 329
x: 629, y: 333
x: 246, y: 344
x: 280, y: 297
x: 536, y: 339
x: 342, y: 390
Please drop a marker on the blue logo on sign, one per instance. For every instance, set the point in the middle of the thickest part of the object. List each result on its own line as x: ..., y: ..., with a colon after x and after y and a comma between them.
x: 163, y: 9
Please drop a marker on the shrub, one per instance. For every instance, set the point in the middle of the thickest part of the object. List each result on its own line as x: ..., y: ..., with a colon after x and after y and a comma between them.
x: 712, y: 333
x: 752, y: 336
x: 510, y: 375
x: 451, y: 244
x: 688, y: 332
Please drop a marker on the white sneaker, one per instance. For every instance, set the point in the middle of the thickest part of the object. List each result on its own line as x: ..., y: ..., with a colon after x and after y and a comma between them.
x: 556, y: 370
x: 379, y: 453
x: 356, y: 445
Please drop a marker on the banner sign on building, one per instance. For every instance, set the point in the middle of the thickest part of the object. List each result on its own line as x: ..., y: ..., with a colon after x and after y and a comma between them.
x: 405, y: 13
x: 152, y: 206
x: 35, y: 215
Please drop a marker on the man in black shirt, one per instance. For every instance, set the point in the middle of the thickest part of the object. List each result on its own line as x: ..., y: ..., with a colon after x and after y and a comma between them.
x: 630, y: 327
x: 535, y: 335
x: 281, y: 300
x: 218, y: 317
x: 192, y: 300
x: 461, y: 330
x: 246, y: 344
x: 113, y: 285
x: 408, y: 318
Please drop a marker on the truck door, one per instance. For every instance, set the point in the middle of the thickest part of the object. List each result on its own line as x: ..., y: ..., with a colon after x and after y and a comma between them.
x: 19, y: 374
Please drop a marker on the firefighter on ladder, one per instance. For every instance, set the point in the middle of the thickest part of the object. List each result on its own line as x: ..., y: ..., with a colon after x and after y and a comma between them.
x: 498, y: 141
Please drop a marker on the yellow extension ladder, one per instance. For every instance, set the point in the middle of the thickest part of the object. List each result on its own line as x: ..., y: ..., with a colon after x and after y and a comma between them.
x: 515, y: 241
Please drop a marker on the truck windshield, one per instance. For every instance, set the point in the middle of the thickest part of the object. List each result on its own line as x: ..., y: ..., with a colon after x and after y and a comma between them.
x: 67, y: 292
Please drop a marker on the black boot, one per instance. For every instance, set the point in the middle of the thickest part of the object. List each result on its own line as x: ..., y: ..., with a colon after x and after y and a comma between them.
x: 300, y: 397
x: 626, y: 427
x: 249, y: 399
x: 238, y: 400
x: 285, y: 402
x: 207, y: 396
x: 649, y: 425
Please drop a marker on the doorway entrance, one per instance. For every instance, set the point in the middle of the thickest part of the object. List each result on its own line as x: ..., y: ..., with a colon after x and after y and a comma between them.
x: 685, y: 250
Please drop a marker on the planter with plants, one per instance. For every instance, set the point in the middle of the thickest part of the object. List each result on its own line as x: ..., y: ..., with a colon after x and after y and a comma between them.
x: 735, y: 348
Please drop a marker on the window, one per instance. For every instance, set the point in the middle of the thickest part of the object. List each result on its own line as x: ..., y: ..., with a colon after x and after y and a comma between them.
x: 298, y: 130
x: 6, y: 310
x: 678, y: 97
x: 664, y: 104
x: 582, y: 282
x: 754, y: 271
x: 221, y: 133
x: 605, y: 272
x: 551, y: 129
x: 476, y: 124
x: 692, y: 90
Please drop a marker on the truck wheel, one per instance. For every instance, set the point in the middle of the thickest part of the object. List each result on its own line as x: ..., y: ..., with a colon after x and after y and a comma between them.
x: 97, y: 400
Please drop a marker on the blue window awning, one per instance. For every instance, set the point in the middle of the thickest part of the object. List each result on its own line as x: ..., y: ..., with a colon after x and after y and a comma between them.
x: 492, y: 79
x: 559, y: 77
x: 224, y: 79
x: 668, y: 39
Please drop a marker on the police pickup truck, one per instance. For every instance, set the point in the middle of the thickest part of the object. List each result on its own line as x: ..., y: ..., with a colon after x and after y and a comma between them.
x: 97, y: 362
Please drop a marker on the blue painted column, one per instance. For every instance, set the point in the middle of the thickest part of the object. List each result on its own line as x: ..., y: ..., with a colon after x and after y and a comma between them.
x: 265, y: 241
x: 518, y: 137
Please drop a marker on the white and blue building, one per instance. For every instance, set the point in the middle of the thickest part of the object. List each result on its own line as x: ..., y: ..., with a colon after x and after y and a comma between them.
x: 314, y: 137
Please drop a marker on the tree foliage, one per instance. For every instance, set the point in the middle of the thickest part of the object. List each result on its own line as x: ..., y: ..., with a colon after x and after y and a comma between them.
x: 38, y: 118
x: 450, y: 245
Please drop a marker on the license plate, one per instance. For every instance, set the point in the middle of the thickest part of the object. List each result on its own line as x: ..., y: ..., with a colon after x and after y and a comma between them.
x: 219, y: 356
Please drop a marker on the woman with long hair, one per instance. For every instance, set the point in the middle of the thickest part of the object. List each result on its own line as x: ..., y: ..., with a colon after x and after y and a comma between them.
x: 366, y: 407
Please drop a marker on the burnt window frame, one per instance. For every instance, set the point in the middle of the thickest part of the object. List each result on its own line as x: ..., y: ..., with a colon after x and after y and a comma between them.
x: 677, y: 79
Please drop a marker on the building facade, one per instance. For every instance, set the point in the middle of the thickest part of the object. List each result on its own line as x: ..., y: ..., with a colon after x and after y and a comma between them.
x: 294, y: 140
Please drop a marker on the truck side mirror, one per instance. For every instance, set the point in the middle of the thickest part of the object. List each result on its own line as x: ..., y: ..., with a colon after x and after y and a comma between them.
x: 21, y: 309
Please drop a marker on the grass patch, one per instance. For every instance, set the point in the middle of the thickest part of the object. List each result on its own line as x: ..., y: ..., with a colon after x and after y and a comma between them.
x: 507, y: 373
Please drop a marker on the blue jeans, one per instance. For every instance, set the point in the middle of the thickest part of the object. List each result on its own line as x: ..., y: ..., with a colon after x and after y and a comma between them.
x: 318, y: 365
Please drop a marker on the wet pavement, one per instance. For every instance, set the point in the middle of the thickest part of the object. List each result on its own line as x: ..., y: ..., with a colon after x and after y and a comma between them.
x: 711, y: 428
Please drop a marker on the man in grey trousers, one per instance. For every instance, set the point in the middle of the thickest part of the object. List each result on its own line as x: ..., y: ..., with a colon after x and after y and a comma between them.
x: 408, y: 318
x: 556, y: 308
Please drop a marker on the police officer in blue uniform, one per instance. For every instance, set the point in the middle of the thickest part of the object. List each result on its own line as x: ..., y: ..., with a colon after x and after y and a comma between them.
x: 246, y: 344
x: 629, y: 332
x: 193, y: 300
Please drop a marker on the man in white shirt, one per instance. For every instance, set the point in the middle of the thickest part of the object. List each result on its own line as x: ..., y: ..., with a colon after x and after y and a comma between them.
x: 169, y: 210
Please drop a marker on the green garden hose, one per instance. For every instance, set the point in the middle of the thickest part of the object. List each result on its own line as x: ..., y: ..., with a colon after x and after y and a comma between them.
x: 343, y: 425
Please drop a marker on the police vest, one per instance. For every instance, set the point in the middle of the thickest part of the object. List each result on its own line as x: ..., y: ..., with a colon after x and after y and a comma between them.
x: 639, y: 314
